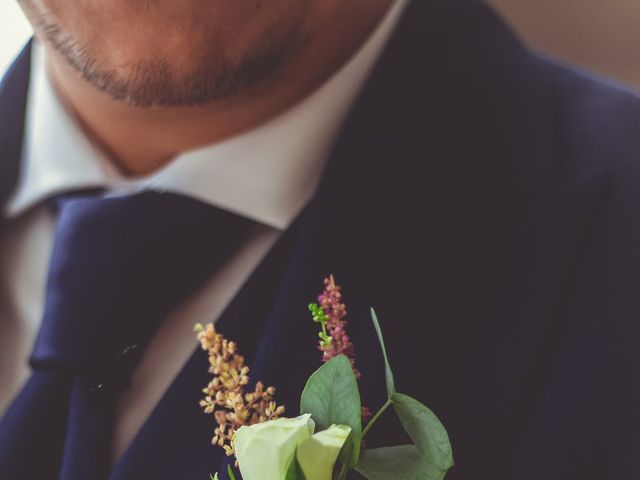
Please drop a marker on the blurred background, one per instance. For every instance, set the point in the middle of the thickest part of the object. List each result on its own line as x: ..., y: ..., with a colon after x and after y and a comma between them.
x: 600, y: 35
x: 14, y: 31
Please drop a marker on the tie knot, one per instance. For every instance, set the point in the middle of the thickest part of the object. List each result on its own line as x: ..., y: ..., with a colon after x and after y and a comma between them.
x: 119, y: 265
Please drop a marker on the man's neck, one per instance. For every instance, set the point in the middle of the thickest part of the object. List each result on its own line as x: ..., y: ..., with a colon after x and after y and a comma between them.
x: 140, y: 140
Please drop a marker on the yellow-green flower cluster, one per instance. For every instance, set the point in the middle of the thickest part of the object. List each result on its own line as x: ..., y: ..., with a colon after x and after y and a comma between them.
x: 226, y: 397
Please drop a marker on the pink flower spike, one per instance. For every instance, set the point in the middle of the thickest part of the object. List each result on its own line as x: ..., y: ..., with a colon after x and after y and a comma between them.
x: 330, y: 301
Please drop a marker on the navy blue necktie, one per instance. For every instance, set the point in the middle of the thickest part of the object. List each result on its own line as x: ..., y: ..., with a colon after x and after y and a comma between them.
x: 119, y: 266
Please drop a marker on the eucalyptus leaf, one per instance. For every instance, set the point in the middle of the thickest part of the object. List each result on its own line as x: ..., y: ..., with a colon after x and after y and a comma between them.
x: 425, y: 430
x: 331, y: 396
x: 391, y: 387
x: 403, y: 462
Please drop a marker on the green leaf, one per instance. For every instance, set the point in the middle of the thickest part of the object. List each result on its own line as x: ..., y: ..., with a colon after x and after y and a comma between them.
x: 426, y: 431
x: 213, y: 477
x: 331, y: 396
x: 230, y: 472
x: 391, y: 387
x: 403, y: 462
x: 295, y: 472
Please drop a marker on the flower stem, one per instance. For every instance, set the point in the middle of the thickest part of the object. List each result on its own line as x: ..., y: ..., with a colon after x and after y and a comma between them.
x: 387, y: 404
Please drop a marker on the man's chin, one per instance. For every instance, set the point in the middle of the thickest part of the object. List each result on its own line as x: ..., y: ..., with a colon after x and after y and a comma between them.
x: 139, y: 63
x: 149, y: 85
x: 161, y: 82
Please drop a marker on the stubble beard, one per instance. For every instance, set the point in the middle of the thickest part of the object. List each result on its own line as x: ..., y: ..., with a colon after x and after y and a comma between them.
x: 155, y: 83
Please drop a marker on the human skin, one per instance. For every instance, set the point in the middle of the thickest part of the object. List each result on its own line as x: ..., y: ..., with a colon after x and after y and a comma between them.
x: 148, y: 79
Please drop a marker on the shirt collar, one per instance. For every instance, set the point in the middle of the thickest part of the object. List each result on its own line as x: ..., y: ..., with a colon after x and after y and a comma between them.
x: 267, y: 174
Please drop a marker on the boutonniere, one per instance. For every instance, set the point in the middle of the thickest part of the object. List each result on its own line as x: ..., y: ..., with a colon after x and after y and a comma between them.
x: 325, y: 442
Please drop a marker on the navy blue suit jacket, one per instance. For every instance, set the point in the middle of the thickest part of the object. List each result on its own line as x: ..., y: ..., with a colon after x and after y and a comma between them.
x: 486, y: 201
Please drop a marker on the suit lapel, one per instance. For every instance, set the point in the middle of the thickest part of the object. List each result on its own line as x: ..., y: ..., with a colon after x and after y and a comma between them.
x: 13, y: 102
x: 531, y: 323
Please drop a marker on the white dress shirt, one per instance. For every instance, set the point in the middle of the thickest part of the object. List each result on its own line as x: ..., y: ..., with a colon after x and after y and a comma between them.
x: 267, y: 174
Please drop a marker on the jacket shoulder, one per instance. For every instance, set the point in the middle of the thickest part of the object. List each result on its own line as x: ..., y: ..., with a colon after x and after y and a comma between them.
x: 597, y: 120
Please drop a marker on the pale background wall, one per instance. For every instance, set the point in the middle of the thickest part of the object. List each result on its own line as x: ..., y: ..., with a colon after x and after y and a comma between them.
x: 14, y: 31
x: 602, y: 35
